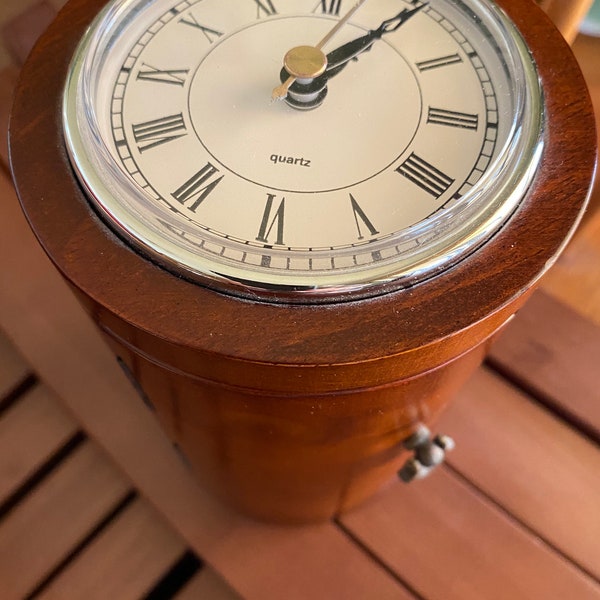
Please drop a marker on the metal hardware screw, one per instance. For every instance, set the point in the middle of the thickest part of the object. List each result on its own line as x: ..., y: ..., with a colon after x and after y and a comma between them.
x: 429, y: 454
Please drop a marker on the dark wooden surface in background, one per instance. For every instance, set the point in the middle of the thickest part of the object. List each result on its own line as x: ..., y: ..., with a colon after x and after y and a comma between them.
x: 514, y: 514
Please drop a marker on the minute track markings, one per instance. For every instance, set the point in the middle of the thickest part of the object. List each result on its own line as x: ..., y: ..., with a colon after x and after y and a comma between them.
x: 275, y: 222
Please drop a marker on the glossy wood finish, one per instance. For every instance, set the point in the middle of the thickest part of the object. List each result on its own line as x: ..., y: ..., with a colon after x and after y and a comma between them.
x: 59, y: 345
x: 295, y: 457
x: 328, y: 384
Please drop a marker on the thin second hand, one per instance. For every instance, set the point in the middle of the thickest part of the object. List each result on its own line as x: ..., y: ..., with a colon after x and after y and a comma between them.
x: 281, y: 90
x: 340, y: 24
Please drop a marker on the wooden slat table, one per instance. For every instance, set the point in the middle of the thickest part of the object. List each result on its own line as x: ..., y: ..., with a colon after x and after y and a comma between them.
x: 38, y: 418
x: 95, y: 503
x: 552, y: 352
x: 71, y: 524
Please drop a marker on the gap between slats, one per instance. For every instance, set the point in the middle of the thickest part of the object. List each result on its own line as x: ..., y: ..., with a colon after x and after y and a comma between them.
x: 36, y: 440
x: 33, y: 429
x: 551, y: 353
x: 531, y: 463
x: 450, y: 543
x: 14, y: 371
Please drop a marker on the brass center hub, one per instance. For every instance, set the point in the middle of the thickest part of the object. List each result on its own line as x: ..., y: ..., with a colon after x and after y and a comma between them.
x: 305, y: 62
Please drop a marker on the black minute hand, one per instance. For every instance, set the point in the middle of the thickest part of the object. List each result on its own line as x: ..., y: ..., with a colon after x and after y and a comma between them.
x: 337, y: 59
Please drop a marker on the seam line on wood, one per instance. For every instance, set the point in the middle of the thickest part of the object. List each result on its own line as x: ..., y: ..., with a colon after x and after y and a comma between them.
x: 521, y: 524
x: 117, y: 509
x: 377, y: 560
x: 579, y: 425
x: 176, y: 577
x: 36, y: 478
x: 28, y: 382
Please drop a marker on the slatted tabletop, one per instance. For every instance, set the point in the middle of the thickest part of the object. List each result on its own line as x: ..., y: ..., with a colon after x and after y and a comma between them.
x: 71, y: 523
x: 97, y: 507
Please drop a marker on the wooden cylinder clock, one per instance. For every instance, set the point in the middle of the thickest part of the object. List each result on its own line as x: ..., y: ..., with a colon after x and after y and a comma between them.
x: 299, y: 223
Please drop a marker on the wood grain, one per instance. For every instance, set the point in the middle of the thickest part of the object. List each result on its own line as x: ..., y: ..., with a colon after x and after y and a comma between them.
x: 124, y: 561
x: 534, y: 465
x: 296, y: 563
x: 295, y: 458
x: 31, y: 431
x: 147, y: 455
x: 587, y: 49
x: 8, y: 80
x: 21, y: 33
x: 9, y: 9
x: 13, y: 369
x: 553, y: 352
x: 54, y: 518
x: 575, y: 278
x: 394, y: 327
x: 451, y: 544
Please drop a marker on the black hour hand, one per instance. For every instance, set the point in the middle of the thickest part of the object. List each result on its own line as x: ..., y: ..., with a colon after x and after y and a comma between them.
x: 337, y: 59
x: 310, y: 94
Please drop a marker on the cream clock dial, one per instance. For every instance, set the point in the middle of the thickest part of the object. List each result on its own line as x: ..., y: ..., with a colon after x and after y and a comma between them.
x: 410, y: 148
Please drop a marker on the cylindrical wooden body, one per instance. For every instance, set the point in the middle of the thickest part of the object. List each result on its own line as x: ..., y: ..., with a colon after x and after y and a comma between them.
x: 294, y: 412
x: 293, y: 457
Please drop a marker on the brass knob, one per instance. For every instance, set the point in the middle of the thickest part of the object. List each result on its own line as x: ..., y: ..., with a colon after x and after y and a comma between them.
x: 428, y: 454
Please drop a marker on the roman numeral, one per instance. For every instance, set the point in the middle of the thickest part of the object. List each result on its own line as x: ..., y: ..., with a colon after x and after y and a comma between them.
x: 266, y: 7
x: 210, y: 34
x: 170, y: 76
x: 329, y: 7
x: 359, y: 215
x: 198, y: 187
x: 426, y: 176
x: 159, y: 131
x: 436, y: 63
x: 270, y: 219
x: 450, y: 118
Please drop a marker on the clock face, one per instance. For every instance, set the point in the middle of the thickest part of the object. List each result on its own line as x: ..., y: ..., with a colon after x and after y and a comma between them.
x: 409, y: 145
